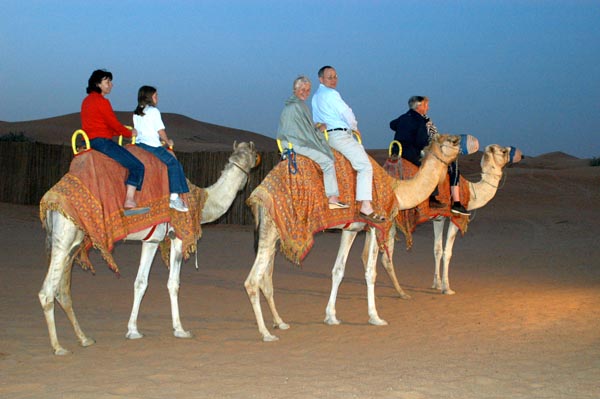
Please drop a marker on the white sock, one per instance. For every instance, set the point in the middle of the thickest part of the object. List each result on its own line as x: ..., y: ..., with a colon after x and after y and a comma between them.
x: 174, y: 196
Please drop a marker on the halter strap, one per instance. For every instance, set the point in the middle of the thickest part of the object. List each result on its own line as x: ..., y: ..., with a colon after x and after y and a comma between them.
x: 240, y: 168
x: 438, y: 158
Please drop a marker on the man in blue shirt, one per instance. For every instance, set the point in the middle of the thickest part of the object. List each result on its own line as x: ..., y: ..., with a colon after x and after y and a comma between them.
x: 329, y: 109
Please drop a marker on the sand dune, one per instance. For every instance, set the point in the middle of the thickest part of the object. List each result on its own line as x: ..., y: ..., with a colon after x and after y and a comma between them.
x: 189, y: 134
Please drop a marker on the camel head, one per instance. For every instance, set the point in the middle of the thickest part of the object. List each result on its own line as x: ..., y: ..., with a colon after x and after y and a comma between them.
x: 444, y: 147
x: 495, y: 158
x: 245, y: 156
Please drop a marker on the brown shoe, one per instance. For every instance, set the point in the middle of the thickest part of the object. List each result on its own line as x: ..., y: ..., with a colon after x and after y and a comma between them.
x: 372, y: 217
x: 435, y: 204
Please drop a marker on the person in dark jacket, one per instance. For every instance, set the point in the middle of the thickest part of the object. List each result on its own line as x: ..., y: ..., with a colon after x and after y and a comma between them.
x: 414, y: 131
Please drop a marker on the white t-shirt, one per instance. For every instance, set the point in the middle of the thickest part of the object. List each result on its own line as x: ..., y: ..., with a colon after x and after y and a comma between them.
x: 147, y: 126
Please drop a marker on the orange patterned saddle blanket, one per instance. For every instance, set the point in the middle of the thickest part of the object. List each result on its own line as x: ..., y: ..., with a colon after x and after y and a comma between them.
x: 297, y: 203
x: 92, y: 193
x: 407, y: 220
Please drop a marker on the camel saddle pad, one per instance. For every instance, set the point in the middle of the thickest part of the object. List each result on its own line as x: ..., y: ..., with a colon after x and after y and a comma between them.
x: 407, y: 220
x: 298, y: 205
x: 92, y: 193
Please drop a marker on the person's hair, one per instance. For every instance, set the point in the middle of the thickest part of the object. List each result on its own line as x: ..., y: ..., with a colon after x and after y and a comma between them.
x: 145, y: 94
x: 300, y: 81
x: 97, y: 76
x: 322, y: 70
x: 415, y: 101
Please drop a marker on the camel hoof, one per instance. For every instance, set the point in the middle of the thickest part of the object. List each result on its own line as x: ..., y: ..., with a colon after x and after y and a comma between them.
x: 183, y: 334
x: 270, y: 338
x: 448, y: 292
x: 88, y: 342
x: 377, y: 321
x: 282, y: 326
x: 61, y: 352
x: 332, y: 321
x: 404, y: 295
x: 134, y: 335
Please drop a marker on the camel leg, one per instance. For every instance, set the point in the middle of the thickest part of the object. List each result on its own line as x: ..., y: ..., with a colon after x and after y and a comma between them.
x: 386, y: 261
x: 267, y: 239
x: 173, y: 286
x: 62, y: 245
x: 337, y: 274
x: 266, y: 286
x: 450, y: 237
x: 438, y: 251
x: 139, y: 287
x: 370, y: 277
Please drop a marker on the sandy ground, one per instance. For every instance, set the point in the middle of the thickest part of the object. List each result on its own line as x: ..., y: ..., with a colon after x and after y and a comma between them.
x: 525, y: 322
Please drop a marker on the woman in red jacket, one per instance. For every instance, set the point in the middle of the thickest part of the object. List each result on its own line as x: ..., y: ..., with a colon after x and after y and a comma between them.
x: 100, y: 123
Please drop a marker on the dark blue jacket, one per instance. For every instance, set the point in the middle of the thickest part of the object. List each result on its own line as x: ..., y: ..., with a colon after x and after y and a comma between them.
x: 411, y: 131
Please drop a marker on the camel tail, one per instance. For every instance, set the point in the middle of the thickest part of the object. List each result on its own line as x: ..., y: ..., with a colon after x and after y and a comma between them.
x: 257, y: 212
x: 48, y: 227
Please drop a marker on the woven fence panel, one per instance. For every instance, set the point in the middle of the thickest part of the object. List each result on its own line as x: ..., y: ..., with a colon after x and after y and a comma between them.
x: 31, y: 169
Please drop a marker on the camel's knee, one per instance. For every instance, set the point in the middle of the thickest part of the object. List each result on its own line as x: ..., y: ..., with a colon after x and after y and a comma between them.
x: 140, y: 284
x: 251, y: 287
x: 47, y: 301
x: 173, y: 285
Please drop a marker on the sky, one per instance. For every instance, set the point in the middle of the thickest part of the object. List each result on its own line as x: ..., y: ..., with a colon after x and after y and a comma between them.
x: 520, y: 73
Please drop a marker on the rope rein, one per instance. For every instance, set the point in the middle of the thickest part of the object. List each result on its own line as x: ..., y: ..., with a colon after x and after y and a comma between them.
x: 290, y: 155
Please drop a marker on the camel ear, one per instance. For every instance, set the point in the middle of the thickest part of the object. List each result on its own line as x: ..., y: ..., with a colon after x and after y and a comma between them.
x: 252, y: 145
x: 234, y: 144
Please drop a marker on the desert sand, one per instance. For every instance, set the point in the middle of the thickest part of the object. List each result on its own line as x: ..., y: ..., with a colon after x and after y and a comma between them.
x: 524, y: 323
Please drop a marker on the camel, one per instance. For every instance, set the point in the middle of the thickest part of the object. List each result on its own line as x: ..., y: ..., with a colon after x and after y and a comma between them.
x: 64, y: 239
x: 408, y: 194
x: 494, y: 159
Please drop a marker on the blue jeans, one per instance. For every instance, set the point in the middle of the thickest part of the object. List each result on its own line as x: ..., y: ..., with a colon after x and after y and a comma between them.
x: 177, y: 181
x: 124, y: 157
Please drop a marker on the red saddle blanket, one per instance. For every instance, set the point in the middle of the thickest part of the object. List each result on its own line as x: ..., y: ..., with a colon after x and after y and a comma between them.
x: 298, y: 205
x: 92, y: 193
x: 407, y: 220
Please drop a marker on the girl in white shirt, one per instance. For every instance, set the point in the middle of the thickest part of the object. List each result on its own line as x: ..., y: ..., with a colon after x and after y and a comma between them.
x: 151, y: 136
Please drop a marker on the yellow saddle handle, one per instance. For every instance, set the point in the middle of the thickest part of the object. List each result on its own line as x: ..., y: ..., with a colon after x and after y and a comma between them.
x: 121, y: 137
x: 281, y: 147
x: 76, y: 134
x: 397, y: 143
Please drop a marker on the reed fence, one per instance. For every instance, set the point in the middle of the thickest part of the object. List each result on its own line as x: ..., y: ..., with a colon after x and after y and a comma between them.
x: 30, y: 169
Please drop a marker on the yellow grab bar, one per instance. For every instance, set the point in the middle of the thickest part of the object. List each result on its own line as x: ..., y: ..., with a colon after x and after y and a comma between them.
x: 74, y: 140
x: 121, y: 137
x: 396, y: 142
x: 281, y: 148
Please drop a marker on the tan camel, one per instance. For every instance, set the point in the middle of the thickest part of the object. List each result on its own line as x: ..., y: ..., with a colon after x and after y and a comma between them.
x: 64, y: 239
x: 494, y: 159
x: 410, y: 193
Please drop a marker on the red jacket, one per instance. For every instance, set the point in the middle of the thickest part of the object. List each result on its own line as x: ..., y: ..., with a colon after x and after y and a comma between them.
x: 98, y: 119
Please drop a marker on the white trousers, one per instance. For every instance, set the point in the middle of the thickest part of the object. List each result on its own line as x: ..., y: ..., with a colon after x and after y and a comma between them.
x: 344, y: 142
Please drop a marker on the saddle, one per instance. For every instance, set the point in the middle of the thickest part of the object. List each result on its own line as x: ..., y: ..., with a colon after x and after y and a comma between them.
x: 298, y: 205
x: 408, y: 220
x: 91, y: 195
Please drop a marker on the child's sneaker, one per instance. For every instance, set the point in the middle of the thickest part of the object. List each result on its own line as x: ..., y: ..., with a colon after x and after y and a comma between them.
x: 178, y: 205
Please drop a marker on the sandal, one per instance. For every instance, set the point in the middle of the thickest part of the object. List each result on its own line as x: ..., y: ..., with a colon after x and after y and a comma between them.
x: 372, y: 217
x: 338, y: 205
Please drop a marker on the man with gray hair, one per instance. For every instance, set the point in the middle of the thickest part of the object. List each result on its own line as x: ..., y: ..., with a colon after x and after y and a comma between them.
x: 414, y: 130
x: 296, y: 128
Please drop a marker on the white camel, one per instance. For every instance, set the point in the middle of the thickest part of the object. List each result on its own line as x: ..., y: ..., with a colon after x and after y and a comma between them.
x: 494, y: 159
x: 64, y: 239
x: 409, y: 193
